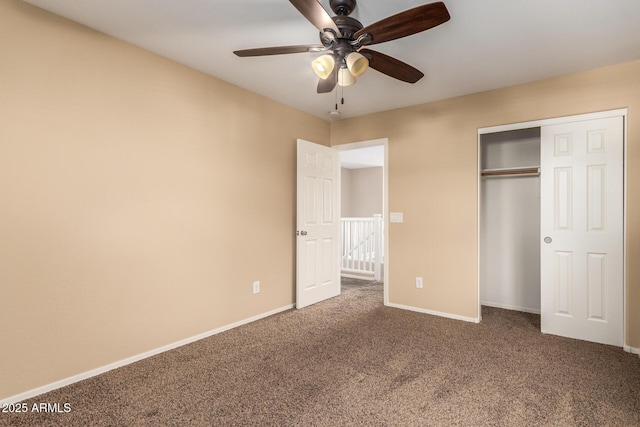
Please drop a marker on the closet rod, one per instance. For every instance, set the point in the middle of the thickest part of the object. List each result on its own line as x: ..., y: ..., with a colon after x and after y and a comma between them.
x: 512, y: 171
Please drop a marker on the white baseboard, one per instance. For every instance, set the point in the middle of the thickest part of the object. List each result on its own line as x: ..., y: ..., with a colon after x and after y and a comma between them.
x: 631, y: 350
x: 510, y: 307
x: 436, y: 313
x: 92, y: 373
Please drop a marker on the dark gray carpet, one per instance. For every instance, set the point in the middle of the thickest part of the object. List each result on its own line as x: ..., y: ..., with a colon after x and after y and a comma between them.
x: 350, y: 361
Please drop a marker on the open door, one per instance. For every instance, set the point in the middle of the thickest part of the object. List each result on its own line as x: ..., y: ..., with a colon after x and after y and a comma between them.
x: 582, y: 254
x: 318, y: 224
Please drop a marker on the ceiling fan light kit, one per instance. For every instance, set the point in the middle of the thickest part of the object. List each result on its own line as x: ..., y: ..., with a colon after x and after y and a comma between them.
x: 344, y: 39
x: 323, y: 66
x: 357, y: 64
x: 345, y: 78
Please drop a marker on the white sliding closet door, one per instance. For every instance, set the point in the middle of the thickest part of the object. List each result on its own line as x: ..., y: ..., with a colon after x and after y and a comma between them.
x: 582, y: 230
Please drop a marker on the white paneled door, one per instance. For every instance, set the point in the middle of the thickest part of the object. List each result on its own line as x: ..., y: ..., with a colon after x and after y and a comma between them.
x: 318, y: 224
x: 582, y: 230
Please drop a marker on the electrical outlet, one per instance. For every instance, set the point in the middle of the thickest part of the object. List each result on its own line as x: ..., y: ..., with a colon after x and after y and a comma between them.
x: 256, y: 287
x: 419, y: 282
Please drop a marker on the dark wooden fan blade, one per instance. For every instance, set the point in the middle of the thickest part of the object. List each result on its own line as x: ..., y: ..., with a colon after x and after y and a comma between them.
x: 327, y: 85
x: 279, y: 50
x: 392, y: 67
x: 317, y: 15
x: 406, y: 23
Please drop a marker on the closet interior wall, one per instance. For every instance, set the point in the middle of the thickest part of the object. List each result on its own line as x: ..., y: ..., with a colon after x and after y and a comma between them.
x: 510, y: 221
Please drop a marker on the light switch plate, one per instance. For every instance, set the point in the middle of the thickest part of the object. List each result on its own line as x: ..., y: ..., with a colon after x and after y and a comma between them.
x: 396, y: 217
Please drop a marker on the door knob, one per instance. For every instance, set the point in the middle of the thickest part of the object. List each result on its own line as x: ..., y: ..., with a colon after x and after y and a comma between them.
x: 548, y: 239
x: 303, y: 233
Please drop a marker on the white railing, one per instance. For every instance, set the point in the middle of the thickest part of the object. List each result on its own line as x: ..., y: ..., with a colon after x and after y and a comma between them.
x: 362, y: 247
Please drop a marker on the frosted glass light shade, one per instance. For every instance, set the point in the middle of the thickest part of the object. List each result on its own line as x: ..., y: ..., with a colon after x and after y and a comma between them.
x: 357, y: 64
x: 323, y: 66
x: 345, y: 78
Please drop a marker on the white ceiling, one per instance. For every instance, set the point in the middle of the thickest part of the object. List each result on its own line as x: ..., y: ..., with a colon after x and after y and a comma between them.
x: 365, y: 157
x: 487, y: 44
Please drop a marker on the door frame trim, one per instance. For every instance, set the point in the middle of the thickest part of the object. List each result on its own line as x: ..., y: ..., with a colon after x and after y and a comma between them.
x: 385, y: 199
x: 555, y: 121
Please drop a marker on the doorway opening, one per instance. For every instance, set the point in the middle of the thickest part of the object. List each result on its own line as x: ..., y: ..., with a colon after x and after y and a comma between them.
x: 363, y: 196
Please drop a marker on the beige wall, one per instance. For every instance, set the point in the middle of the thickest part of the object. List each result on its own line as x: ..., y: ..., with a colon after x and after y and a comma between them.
x: 139, y: 200
x: 361, y: 191
x: 433, y: 179
x: 345, y: 192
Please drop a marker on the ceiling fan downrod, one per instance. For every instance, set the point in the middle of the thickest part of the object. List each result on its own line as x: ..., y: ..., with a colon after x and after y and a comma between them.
x: 342, y: 7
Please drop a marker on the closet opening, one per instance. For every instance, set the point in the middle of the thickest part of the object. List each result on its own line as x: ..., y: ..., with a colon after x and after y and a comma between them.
x: 509, y: 236
x: 551, y: 224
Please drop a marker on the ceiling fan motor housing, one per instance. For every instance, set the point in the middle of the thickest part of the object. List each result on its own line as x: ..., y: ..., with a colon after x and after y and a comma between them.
x: 348, y: 26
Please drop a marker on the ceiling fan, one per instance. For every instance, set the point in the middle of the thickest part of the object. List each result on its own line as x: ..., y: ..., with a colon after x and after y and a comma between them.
x: 343, y: 39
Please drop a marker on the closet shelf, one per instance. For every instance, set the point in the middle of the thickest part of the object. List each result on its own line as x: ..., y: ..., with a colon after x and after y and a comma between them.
x: 520, y: 171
